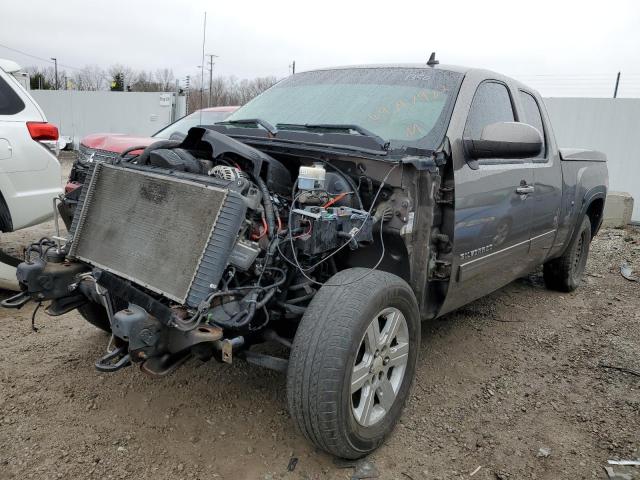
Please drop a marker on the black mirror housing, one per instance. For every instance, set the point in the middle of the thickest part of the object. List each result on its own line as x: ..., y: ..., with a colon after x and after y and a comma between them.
x: 505, y: 140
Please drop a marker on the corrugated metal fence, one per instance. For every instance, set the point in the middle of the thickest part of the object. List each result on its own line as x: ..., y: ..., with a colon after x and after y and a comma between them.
x: 610, y: 125
x: 79, y: 113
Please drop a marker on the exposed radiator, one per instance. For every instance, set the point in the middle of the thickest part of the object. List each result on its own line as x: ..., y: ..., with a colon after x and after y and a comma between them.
x: 168, y: 234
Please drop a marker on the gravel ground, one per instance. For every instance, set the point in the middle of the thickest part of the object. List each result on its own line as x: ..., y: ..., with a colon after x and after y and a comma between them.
x: 510, y: 383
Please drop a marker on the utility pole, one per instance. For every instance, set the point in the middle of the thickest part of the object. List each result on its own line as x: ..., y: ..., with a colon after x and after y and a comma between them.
x: 293, y: 68
x: 55, y: 63
x: 615, y: 90
x: 211, y: 64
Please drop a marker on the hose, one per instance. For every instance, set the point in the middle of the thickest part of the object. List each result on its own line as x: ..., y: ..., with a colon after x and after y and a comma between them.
x: 269, y: 210
x: 143, y: 158
x: 244, y: 317
x: 127, y: 151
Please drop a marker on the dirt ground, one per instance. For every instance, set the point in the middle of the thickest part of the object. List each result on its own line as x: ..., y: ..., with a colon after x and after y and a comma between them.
x: 497, y: 381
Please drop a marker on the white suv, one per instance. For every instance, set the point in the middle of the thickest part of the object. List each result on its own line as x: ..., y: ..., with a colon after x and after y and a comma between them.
x: 29, y: 171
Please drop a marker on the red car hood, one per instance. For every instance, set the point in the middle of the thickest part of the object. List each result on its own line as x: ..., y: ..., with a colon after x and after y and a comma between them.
x: 115, y: 142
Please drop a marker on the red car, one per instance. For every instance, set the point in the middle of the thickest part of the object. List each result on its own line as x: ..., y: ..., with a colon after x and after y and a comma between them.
x: 106, y: 146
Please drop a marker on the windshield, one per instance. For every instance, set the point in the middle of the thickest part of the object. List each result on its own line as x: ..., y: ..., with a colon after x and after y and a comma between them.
x: 404, y: 106
x: 192, y: 120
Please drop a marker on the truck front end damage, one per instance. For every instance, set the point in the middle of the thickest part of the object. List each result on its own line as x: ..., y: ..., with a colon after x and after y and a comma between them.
x: 212, y: 254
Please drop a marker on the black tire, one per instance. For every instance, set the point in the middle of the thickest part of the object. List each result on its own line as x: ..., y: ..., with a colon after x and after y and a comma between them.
x: 564, y: 273
x: 324, y: 353
x: 96, y: 315
x: 6, y: 222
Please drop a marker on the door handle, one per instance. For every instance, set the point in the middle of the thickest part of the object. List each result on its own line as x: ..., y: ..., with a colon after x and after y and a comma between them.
x: 524, y: 189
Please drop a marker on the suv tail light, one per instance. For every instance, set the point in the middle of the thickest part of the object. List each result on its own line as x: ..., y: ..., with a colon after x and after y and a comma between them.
x: 46, y: 134
x: 42, y: 131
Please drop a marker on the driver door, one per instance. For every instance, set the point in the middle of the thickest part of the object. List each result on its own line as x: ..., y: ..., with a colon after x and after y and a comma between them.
x: 493, y: 211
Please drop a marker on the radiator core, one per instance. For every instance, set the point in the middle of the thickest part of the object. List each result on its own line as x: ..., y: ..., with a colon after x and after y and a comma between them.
x: 168, y: 234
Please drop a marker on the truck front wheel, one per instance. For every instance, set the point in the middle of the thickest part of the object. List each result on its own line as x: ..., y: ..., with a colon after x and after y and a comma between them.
x: 353, y: 361
x: 96, y: 315
x: 564, y: 273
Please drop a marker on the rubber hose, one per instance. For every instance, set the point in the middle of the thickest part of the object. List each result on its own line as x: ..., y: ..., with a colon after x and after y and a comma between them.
x: 143, y: 158
x: 269, y: 211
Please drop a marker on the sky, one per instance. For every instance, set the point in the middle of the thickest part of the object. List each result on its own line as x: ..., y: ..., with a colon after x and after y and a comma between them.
x: 562, y: 48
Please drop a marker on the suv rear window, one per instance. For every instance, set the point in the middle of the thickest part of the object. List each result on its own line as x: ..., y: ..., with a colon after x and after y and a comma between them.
x: 10, y: 102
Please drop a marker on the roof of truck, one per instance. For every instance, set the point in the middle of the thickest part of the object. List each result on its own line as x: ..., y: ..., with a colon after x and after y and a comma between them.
x: 451, y: 68
x: 481, y: 72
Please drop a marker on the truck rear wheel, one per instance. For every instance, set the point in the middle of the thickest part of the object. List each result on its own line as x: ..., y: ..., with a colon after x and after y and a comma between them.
x: 353, y: 361
x: 564, y: 273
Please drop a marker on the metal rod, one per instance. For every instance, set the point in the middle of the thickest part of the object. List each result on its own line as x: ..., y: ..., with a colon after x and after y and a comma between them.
x: 615, y: 91
x: 56, y: 222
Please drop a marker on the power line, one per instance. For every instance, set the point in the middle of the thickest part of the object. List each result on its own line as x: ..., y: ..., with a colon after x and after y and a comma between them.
x: 38, y: 58
x: 25, y: 53
x: 51, y: 61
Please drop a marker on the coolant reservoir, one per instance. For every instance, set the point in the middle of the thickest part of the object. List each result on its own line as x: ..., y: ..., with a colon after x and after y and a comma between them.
x: 312, y: 177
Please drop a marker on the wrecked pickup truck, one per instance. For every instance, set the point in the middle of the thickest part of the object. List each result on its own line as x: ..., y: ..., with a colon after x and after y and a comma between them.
x: 328, y: 216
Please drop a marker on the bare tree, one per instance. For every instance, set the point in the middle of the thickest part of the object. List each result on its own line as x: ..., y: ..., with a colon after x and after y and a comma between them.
x: 144, y: 82
x: 165, y: 80
x: 91, y: 77
x: 224, y: 90
x: 228, y: 91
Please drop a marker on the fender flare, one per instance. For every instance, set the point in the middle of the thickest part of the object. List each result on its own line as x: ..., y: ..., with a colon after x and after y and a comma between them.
x: 594, y: 193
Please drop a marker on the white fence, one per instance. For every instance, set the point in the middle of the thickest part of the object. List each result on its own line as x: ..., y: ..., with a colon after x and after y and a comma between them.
x: 79, y: 113
x: 606, y: 124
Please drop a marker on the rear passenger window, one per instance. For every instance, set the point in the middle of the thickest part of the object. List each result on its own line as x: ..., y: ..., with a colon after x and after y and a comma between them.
x: 10, y: 102
x: 491, y: 104
x: 533, y: 117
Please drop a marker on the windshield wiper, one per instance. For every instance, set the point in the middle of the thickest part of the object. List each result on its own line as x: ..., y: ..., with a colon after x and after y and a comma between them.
x: 252, y: 121
x: 346, y: 127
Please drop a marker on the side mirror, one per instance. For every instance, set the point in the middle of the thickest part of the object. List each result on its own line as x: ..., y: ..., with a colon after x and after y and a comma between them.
x: 505, y: 140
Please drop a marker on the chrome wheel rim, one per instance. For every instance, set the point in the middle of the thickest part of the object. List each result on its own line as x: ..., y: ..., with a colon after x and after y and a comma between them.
x: 379, y: 367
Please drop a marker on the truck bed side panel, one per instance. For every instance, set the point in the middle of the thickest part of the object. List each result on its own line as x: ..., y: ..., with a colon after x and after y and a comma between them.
x: 583, y: 182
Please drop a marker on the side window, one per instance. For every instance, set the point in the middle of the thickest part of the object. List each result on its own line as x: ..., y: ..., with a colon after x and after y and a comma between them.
x: 491, y: 104
x: 532, y: 116
x: 10, y: 102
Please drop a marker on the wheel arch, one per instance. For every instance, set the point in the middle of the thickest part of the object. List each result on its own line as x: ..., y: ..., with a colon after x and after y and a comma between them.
x: 395, y: 261
x: 595, y: 211
x: 593, y: 207
x: 6, y: 221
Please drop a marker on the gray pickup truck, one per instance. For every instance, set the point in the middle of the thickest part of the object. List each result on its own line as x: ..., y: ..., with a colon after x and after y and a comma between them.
x: 329, y: 216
